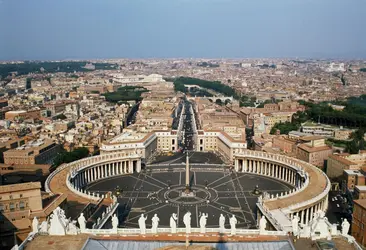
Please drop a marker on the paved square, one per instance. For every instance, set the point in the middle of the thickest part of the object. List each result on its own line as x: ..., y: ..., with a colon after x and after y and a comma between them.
x: 217, y: 191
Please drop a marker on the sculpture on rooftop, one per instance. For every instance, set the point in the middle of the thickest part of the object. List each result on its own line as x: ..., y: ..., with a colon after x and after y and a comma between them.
x: 295, y: 225
x: 82, y: 222
x: 345, y: 227
x: 203, y: 222
x: 233, y: 222
x: 35, y: 224
x: 173, y: 222
x: 262, y: 225
x: 114, y: 222
x: 155, y: 223
x: 222, y: 223
x: 142, y: 224
x: 57, y: 222
x: 187, y: 222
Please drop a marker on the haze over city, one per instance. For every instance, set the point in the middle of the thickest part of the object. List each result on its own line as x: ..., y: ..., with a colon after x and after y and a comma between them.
x: 88, y: 29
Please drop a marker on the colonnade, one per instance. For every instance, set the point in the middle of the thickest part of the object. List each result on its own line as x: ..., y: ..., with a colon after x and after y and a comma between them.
x: 307, y: 214
x: 105, y: 170
x: 289, y: 172
x: 267, y: 168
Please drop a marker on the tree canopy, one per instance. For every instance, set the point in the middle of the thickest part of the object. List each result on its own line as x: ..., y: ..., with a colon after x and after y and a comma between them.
x: 67, y: 157
x: 213, y: 85
x: 126, y: 93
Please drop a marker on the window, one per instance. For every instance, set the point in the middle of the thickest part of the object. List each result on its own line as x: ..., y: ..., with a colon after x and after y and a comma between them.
x: 21, y: 205
x: 12, y: 207
x: 1, y: 207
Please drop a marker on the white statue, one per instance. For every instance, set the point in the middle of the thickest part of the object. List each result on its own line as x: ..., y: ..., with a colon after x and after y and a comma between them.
x: 260, y: 199
x: 203, y: 222
x: 82, y: 222
x: 345, y: 227
x: 233, y: 222
x: 71, y: 228
x: 222, y: 223
x: 35, y: 224
x: 114, y: 222
x: 44, y: 227
x: 187, y: 222
x: 262, y: 225
x: 155, y: 223
x: 142, y: 224
x: 173, y: 223
x: 295, y: 225
x: 57, y: 224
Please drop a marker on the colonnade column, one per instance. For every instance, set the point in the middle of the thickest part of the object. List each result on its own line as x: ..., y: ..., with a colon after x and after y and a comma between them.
x: 245, y: 165
x: 138, y: 166
x: 236, y: 166
x: 120, y: 168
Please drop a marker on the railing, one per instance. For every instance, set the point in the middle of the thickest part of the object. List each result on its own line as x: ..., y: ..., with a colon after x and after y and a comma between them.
x: 110, y: 211
x: 81, y: 192
x: 25, y: 242
x: 136, y: 231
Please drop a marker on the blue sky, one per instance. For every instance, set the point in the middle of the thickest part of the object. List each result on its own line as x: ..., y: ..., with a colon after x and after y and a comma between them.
x: 87, y: 29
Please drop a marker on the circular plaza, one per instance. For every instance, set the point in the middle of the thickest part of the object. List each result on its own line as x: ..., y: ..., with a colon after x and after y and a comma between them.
x: 257, y: 184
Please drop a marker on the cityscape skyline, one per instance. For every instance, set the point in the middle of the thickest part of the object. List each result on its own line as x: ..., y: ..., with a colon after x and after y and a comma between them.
x: 42, y: 30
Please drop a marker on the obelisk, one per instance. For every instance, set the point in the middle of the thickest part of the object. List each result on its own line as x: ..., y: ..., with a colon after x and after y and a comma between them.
x: 188, y: 190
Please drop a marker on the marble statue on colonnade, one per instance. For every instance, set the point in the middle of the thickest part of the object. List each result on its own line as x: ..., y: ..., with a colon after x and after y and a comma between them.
x: 233, y: 222
x: 203, y: 222
x: 43, y: 229
x: 262, y: 225
x: 295, y: 225
x: 345, y: 227
x: 155, y: 223
x: 173, y: 223
x: 82, y: 222
x: 187, y: 222
x: 57, y: 222
x: 114, y: 222
x: 142, y: 224
x: 222, y: 223
x: 35, y: 225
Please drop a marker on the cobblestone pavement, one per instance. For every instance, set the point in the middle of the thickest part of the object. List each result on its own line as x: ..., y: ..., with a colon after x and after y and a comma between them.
x: 217, y: 191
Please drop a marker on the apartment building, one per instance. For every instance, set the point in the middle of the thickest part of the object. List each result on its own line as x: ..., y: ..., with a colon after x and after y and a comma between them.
x: 337, y: 163
x: 313, y: 150
x: 359, y: 221
x: 19, y: 204
x: 41, y: 151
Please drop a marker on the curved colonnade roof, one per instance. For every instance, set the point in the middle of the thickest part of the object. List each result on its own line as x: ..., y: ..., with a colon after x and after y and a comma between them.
x: 318, y: 183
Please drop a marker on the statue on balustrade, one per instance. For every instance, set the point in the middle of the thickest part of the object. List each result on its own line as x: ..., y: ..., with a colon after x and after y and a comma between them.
x: 262, y: 224
x: 142, y: 224
x: 173, y: 222
x: 72, y: 228
x: 233, y: 222
x: 345, y: 227
x: 155, y: 223
x: 295, y: 225
x: 44, y: 227
x: 114, y: 222
x: 57, y: 223
x: 35, y: 224
x: 187, y: 222
x: 82, y: 222
x: 222, y: 223
x: 203, y: 222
